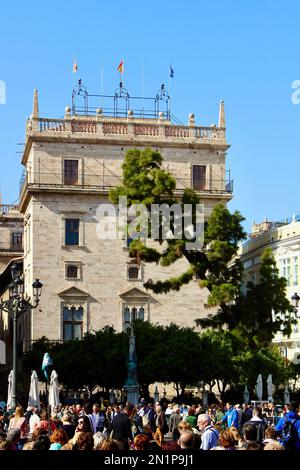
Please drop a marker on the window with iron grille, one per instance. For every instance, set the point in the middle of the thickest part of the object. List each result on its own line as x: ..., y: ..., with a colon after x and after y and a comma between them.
x: 133, y: 272
x: 199, y: 177
x: 71, y: 172
x: 72, y: 271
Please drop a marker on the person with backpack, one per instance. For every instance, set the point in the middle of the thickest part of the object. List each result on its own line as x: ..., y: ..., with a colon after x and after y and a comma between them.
x: 259, y: 423
x: 288, y: 428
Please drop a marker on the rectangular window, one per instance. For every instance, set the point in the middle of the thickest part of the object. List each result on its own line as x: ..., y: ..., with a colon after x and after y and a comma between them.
x: 16, y: 240
x: 199, y: 177
x: 72, y: 271
x: 295, y: 271
x: 71, y: 172
x: 72, y: 322
x: 248, y: 263
x: 72, y: 231
x: 133, y: 272
x: 286, y: 270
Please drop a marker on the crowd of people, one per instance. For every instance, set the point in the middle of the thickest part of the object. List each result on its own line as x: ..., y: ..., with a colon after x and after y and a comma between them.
x: 151, y: 427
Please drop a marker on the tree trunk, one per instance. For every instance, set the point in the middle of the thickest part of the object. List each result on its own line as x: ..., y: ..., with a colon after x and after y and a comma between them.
x: 176, y: 386
x: 211, y: 384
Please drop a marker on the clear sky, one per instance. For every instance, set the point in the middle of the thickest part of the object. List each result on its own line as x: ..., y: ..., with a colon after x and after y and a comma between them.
x: 246, y: 52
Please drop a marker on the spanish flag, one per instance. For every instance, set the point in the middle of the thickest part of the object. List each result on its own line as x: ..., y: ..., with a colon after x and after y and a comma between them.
x: 75, y: 66
x: 121, y: 66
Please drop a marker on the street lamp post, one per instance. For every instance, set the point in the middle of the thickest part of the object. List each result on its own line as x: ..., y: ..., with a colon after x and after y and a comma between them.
x: 295, y: 302
x: 15, y: 306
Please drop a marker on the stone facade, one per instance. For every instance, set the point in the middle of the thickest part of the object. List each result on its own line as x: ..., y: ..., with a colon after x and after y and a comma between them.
x: 284, y: 239
x: 11, y: 234
x: 92, y: 276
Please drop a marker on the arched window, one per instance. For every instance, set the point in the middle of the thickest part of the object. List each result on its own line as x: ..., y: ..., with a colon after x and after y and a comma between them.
x: 131, y: 314
x: 134, y: 313
x: 141, y: 313
x: 126, y: 315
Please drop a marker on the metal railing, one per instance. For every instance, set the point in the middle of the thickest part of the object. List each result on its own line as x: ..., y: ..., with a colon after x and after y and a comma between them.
x: 106, y: 181
x: 11, y: 247
x: 8, y: 208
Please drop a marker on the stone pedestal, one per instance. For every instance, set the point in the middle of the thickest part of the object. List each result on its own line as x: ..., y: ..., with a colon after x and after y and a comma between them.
x: 286, y: 395
x: 246, y: 395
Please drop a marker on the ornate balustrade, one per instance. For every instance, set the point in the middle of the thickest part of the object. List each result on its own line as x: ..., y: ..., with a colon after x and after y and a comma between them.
x: 161, y: 130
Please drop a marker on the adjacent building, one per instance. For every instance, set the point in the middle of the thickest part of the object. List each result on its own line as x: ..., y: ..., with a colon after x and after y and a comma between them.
x: 11, y: 248
x: 284, y: 239
x: 11, y: 234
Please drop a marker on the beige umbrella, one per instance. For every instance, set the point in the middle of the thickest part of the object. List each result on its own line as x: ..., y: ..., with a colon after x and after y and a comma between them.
x: 53, y: 390
x: 9, y: 392
x: 259, y: 387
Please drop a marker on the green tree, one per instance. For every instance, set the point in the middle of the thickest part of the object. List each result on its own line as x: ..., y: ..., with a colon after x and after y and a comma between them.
x: 217, y: 265
x: 98, y: 359
x: 183, y: 357
x: 218, y: 362
x: 168, y: 354
x: 150, y: 340
x: 257, y: 315
x: 265, y: 360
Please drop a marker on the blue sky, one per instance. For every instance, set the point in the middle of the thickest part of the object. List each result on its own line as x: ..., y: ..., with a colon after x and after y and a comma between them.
x: 245, y: 52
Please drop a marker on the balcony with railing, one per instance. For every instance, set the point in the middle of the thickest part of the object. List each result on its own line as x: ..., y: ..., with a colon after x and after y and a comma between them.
x: 8, y: 209
x: 9, y: 247
x: 106, y: 180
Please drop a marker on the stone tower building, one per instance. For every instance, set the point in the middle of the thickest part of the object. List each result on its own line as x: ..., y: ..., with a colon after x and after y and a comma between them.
x: 71, y: 164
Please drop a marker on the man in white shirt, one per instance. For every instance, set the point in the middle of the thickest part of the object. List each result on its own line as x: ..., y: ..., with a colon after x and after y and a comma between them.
x: 34, y: 418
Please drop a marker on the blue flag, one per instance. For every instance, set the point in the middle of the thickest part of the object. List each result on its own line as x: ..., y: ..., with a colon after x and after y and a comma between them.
x: 47, y: 362
x: 171, y: 72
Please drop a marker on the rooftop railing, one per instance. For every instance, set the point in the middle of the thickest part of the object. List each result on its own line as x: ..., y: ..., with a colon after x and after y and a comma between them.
x: 128, y: 128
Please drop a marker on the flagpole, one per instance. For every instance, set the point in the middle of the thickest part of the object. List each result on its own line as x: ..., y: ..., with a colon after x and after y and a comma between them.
x: 74, y: 72
x: 101, y: 82
x: 143, y: 85
x: 120, y: 79
x: 170, y: 92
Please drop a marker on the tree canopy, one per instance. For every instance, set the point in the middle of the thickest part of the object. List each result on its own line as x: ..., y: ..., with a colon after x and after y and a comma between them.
x: 255, y: 316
